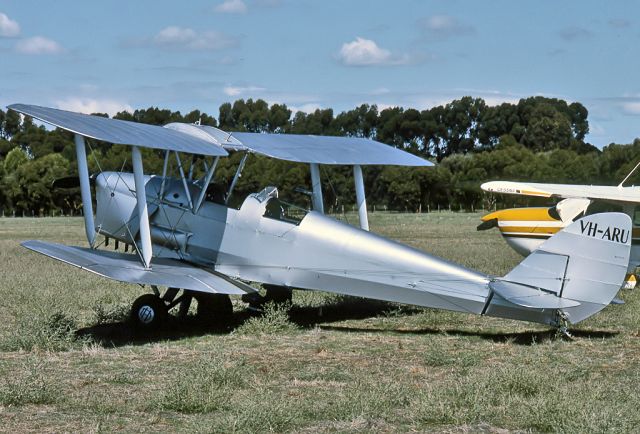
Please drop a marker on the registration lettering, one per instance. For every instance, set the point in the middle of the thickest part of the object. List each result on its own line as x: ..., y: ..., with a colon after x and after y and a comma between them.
x: 505, y: 190
x: 615, y: 234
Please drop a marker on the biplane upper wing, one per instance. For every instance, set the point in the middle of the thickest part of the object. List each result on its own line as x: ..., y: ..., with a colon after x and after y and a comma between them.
x: 301, y: 148
x: 121, y: 132
x: 565, y: 191
x: 313, y: 150
x: 126, y: 267
x: 328, y: 150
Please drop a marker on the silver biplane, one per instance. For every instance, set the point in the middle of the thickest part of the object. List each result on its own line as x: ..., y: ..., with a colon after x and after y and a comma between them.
x: 197, y: 246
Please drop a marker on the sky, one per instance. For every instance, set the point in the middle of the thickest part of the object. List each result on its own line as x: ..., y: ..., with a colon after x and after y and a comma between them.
x: 122, y: 55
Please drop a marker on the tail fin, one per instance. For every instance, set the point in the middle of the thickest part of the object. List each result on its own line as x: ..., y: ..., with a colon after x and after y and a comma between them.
x: 578, y: 271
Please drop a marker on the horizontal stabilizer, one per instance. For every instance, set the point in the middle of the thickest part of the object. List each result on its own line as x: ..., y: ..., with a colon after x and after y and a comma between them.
x: 126, y: 267
x: 530, y: 297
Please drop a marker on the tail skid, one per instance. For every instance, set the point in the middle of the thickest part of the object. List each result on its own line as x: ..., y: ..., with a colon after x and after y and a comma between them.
x: 571, y: 276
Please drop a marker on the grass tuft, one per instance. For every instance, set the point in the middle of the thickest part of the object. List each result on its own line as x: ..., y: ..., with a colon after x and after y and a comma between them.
x: 273, y: 320
x: 29, y: 385
x: 202, y: 387
x: 111, y: 313
x: 41, y: 330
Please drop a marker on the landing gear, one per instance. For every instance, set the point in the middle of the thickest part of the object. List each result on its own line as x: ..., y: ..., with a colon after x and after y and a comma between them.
x: 278, y: 294
x: 274, y: 294
x: 151, y: 311
x: 563, y: 326
x: 213, y: 307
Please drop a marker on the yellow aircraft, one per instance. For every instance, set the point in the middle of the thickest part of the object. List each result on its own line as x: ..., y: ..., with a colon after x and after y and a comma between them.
x: 524, y: 229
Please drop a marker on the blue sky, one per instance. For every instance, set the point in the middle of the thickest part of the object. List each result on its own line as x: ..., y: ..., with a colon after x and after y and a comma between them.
x: 114, y: 55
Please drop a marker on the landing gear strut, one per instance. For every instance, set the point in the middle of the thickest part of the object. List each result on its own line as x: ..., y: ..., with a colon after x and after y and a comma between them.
x: 151, y: 311
x: 274, y: 294
x: 213, y: 307
x: 563, y: 325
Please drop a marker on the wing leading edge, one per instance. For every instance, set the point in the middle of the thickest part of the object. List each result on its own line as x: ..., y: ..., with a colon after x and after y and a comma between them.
x: 299, y: 148
x: 565, y: 191
x: 121, y: 132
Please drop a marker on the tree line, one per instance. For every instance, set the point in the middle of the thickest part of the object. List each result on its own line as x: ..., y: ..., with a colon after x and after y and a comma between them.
x: 537, y: 139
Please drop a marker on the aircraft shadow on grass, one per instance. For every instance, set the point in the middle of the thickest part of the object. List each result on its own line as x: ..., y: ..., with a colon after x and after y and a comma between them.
x: 123, y: 333
x: 305, y: 317
x: 519, y: 338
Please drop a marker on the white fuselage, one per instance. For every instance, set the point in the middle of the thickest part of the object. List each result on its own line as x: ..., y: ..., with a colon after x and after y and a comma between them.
x: 258, y: 243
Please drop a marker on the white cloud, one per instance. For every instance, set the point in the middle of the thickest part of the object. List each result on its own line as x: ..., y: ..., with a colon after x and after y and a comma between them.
x: 89, y: 105
x: 184, y: 38
x: 365, y: 52
x: 8, y: 27
x: 631, y: 108
x: 380, y: 91
x: 305, y: 108
x: 175, y: 35
x: 232, y: 7
x: 38, y: 45
x: 428, y: 99
x: 501, y: 99
x: 443, y: 26
x: 240, y: 90
x: 493, y: 97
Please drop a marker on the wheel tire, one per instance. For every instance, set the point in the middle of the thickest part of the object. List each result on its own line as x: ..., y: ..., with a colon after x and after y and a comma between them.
x: 148, y: 312
x: 278, y: 294
x: 213, y: 307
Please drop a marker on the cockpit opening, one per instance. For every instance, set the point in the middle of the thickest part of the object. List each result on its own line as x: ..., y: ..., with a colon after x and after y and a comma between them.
x: 278, y: 209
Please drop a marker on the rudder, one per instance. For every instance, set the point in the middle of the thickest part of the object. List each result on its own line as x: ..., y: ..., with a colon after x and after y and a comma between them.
x: 585, y: 263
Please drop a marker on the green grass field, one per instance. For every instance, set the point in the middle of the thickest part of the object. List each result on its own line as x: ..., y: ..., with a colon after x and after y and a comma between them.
x: 69, y: 362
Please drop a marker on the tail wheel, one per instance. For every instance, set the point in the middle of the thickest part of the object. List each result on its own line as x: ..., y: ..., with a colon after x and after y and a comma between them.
x: 212, y: 307
x: 149, y: 312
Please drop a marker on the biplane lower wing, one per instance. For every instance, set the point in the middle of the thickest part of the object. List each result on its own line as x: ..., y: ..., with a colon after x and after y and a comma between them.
x: 126, y: 267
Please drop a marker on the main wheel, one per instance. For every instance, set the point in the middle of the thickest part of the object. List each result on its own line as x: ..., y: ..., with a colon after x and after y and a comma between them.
x: 148, y: 312
x: 278, y: 294
x: 213, y: 307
